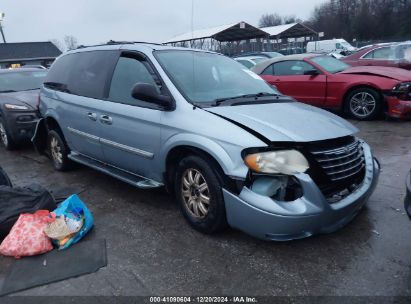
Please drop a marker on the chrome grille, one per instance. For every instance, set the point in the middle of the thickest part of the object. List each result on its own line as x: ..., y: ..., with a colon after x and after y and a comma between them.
x: 343, y: 162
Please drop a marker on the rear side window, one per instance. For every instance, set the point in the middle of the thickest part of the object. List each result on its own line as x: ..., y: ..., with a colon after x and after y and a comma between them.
x: 269, y: 70
x: 381, y: 53
x: 292, y: 67
x: 85, y: 74
x: 246, y: 63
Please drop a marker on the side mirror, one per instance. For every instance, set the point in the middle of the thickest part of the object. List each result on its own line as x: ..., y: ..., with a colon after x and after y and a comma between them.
x: 147, y: 92
x: 312, y: 72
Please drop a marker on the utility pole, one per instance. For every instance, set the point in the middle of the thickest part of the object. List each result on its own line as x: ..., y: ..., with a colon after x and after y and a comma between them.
x: 1, y: 27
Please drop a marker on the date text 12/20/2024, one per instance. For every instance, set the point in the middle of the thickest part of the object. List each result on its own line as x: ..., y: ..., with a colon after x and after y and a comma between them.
x: 208, y: 299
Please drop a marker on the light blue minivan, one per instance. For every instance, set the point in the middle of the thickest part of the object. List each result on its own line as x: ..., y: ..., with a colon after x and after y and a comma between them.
x: 232, y: 149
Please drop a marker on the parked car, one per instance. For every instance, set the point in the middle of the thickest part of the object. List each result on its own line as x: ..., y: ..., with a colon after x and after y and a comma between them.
x: 228, y: 145
x: 250, y: 61
x: 291, y: 51
x: 34, y: 66
x: 332, y: 54
x: 333, y: 45
x: 260, y: 54
x: 19, y: 96
x: 407, y: 201
x: 396, y: 55
x: 324, y: 81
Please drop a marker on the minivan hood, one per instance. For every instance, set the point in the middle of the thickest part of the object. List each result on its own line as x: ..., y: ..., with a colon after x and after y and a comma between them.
x: 287, y: 121
x: 388, y: 72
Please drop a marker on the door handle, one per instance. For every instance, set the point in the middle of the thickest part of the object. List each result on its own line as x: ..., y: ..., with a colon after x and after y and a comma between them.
x: 105, y: 119
x: 92, y: 116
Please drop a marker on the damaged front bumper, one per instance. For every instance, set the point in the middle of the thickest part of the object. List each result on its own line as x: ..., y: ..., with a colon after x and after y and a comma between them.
x: 268, y: 219
x: 21, y: 124
x: 398, y: 108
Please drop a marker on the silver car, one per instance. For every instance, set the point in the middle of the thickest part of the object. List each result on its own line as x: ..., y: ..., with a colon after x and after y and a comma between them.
x: 250, y: 61
x: 232, y: 149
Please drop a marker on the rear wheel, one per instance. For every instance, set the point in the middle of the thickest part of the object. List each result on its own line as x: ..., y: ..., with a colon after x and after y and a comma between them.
x: 199, y: 193
x: 364, y: 103
x: 5, y: 138
x: 58, y: 150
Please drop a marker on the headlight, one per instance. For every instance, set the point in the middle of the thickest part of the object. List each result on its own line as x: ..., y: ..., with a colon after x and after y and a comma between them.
x: 284, y: 162
x: 402, y: 87
x: 402, y: 91
x: 15, y: 107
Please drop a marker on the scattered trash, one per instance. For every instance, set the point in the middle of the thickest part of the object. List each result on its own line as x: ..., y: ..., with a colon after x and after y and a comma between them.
x: 16, y: 201
x: 375, y: 232
x: 71, y: 222
x: 27, y: 238
x: 396, y: 209
x: 63, y: 227
x: 29, y: 228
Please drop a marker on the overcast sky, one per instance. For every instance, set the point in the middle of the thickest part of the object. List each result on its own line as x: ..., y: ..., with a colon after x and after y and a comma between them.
x: 95, y: 21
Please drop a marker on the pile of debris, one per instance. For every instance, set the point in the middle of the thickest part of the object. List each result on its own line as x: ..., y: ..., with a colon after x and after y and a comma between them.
x: 31, y: 222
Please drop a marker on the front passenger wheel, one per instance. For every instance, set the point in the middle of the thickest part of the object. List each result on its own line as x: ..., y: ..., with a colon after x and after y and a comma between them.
x: 198, y: 191
x: 5, y: 138
x: 58, y: 151
x: 364, y: 104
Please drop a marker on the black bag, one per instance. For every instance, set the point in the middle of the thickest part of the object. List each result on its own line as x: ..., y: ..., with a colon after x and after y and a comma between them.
x: 15, y: 201
x: 4, y: 178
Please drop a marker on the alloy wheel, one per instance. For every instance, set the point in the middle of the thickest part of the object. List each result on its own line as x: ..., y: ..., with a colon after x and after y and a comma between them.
x: 363, y: 104
x: 56, y: 150
x: 3, y: 135
x: 195, y: 193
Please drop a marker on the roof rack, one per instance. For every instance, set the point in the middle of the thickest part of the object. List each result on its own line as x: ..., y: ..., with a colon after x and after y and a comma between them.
x: 113, y: 42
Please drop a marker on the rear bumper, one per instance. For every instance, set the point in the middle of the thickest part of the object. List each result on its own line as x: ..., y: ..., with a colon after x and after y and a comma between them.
x: 398, y: 108
x: 407, y: 201
x: 21, y: 124
x: 265, y: 218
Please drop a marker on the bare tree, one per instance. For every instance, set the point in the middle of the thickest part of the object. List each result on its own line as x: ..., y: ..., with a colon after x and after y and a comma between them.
x: 270, y: 20
x: 71, y: 42
x: 290, y: 19
x: 364, y: 19
x: 58, y: 44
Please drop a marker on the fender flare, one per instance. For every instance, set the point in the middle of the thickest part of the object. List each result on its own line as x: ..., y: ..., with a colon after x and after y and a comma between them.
x: 227, y: 163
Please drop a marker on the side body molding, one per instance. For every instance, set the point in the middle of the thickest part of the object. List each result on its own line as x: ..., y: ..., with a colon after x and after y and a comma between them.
x: 111, y: 143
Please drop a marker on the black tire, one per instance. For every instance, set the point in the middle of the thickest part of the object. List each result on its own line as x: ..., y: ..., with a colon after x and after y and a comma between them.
x: 5, y: 138
x: 368, y: 108
x: 215, y: 219
x: 55, y: 145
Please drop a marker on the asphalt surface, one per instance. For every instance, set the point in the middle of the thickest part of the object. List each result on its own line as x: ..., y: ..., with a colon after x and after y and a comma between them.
x: 152, y: 251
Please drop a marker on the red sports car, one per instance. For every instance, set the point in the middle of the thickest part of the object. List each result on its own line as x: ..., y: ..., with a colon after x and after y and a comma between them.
x: 397, y: 55
x: 323, y: 81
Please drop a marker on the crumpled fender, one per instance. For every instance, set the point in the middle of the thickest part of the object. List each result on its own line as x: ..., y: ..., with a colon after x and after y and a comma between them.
x: 231, y: 167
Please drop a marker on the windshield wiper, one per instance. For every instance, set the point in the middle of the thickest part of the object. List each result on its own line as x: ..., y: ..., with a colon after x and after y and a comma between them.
x: 30, y: 89
x: 219, y: 101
